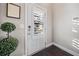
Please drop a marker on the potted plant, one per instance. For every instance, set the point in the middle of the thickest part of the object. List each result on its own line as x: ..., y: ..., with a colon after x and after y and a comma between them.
x: 9, y: 44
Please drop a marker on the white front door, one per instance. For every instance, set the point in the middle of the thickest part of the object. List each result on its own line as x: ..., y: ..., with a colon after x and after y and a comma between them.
x: 36, y: 29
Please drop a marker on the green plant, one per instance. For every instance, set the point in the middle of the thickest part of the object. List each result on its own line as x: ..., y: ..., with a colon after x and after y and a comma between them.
x: 7, y: 47
x: 8, y: 27
x: 9, y: 44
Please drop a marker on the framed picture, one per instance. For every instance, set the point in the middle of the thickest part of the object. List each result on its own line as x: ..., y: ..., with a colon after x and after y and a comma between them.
x: 13, y: 10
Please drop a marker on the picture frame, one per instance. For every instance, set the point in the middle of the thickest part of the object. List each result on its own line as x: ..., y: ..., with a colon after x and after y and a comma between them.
x: 13, y: 10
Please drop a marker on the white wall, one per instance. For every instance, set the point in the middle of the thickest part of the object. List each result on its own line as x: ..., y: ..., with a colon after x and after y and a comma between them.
x: 50, y: 35
x: 19, y: 31
x: 63, y: 15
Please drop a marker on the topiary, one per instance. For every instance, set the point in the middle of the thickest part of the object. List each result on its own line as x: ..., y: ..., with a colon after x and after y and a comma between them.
x: 7, y: 47
x: 9, y: 44
x: 8, y: 27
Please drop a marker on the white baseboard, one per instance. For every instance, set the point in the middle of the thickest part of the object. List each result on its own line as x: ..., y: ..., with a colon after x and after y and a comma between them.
x: 61, y: 47
x: 67, y: 50
x: 49, y: 45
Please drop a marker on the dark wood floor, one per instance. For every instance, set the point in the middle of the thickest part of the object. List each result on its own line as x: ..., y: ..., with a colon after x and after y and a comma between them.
x: 52, y: 51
